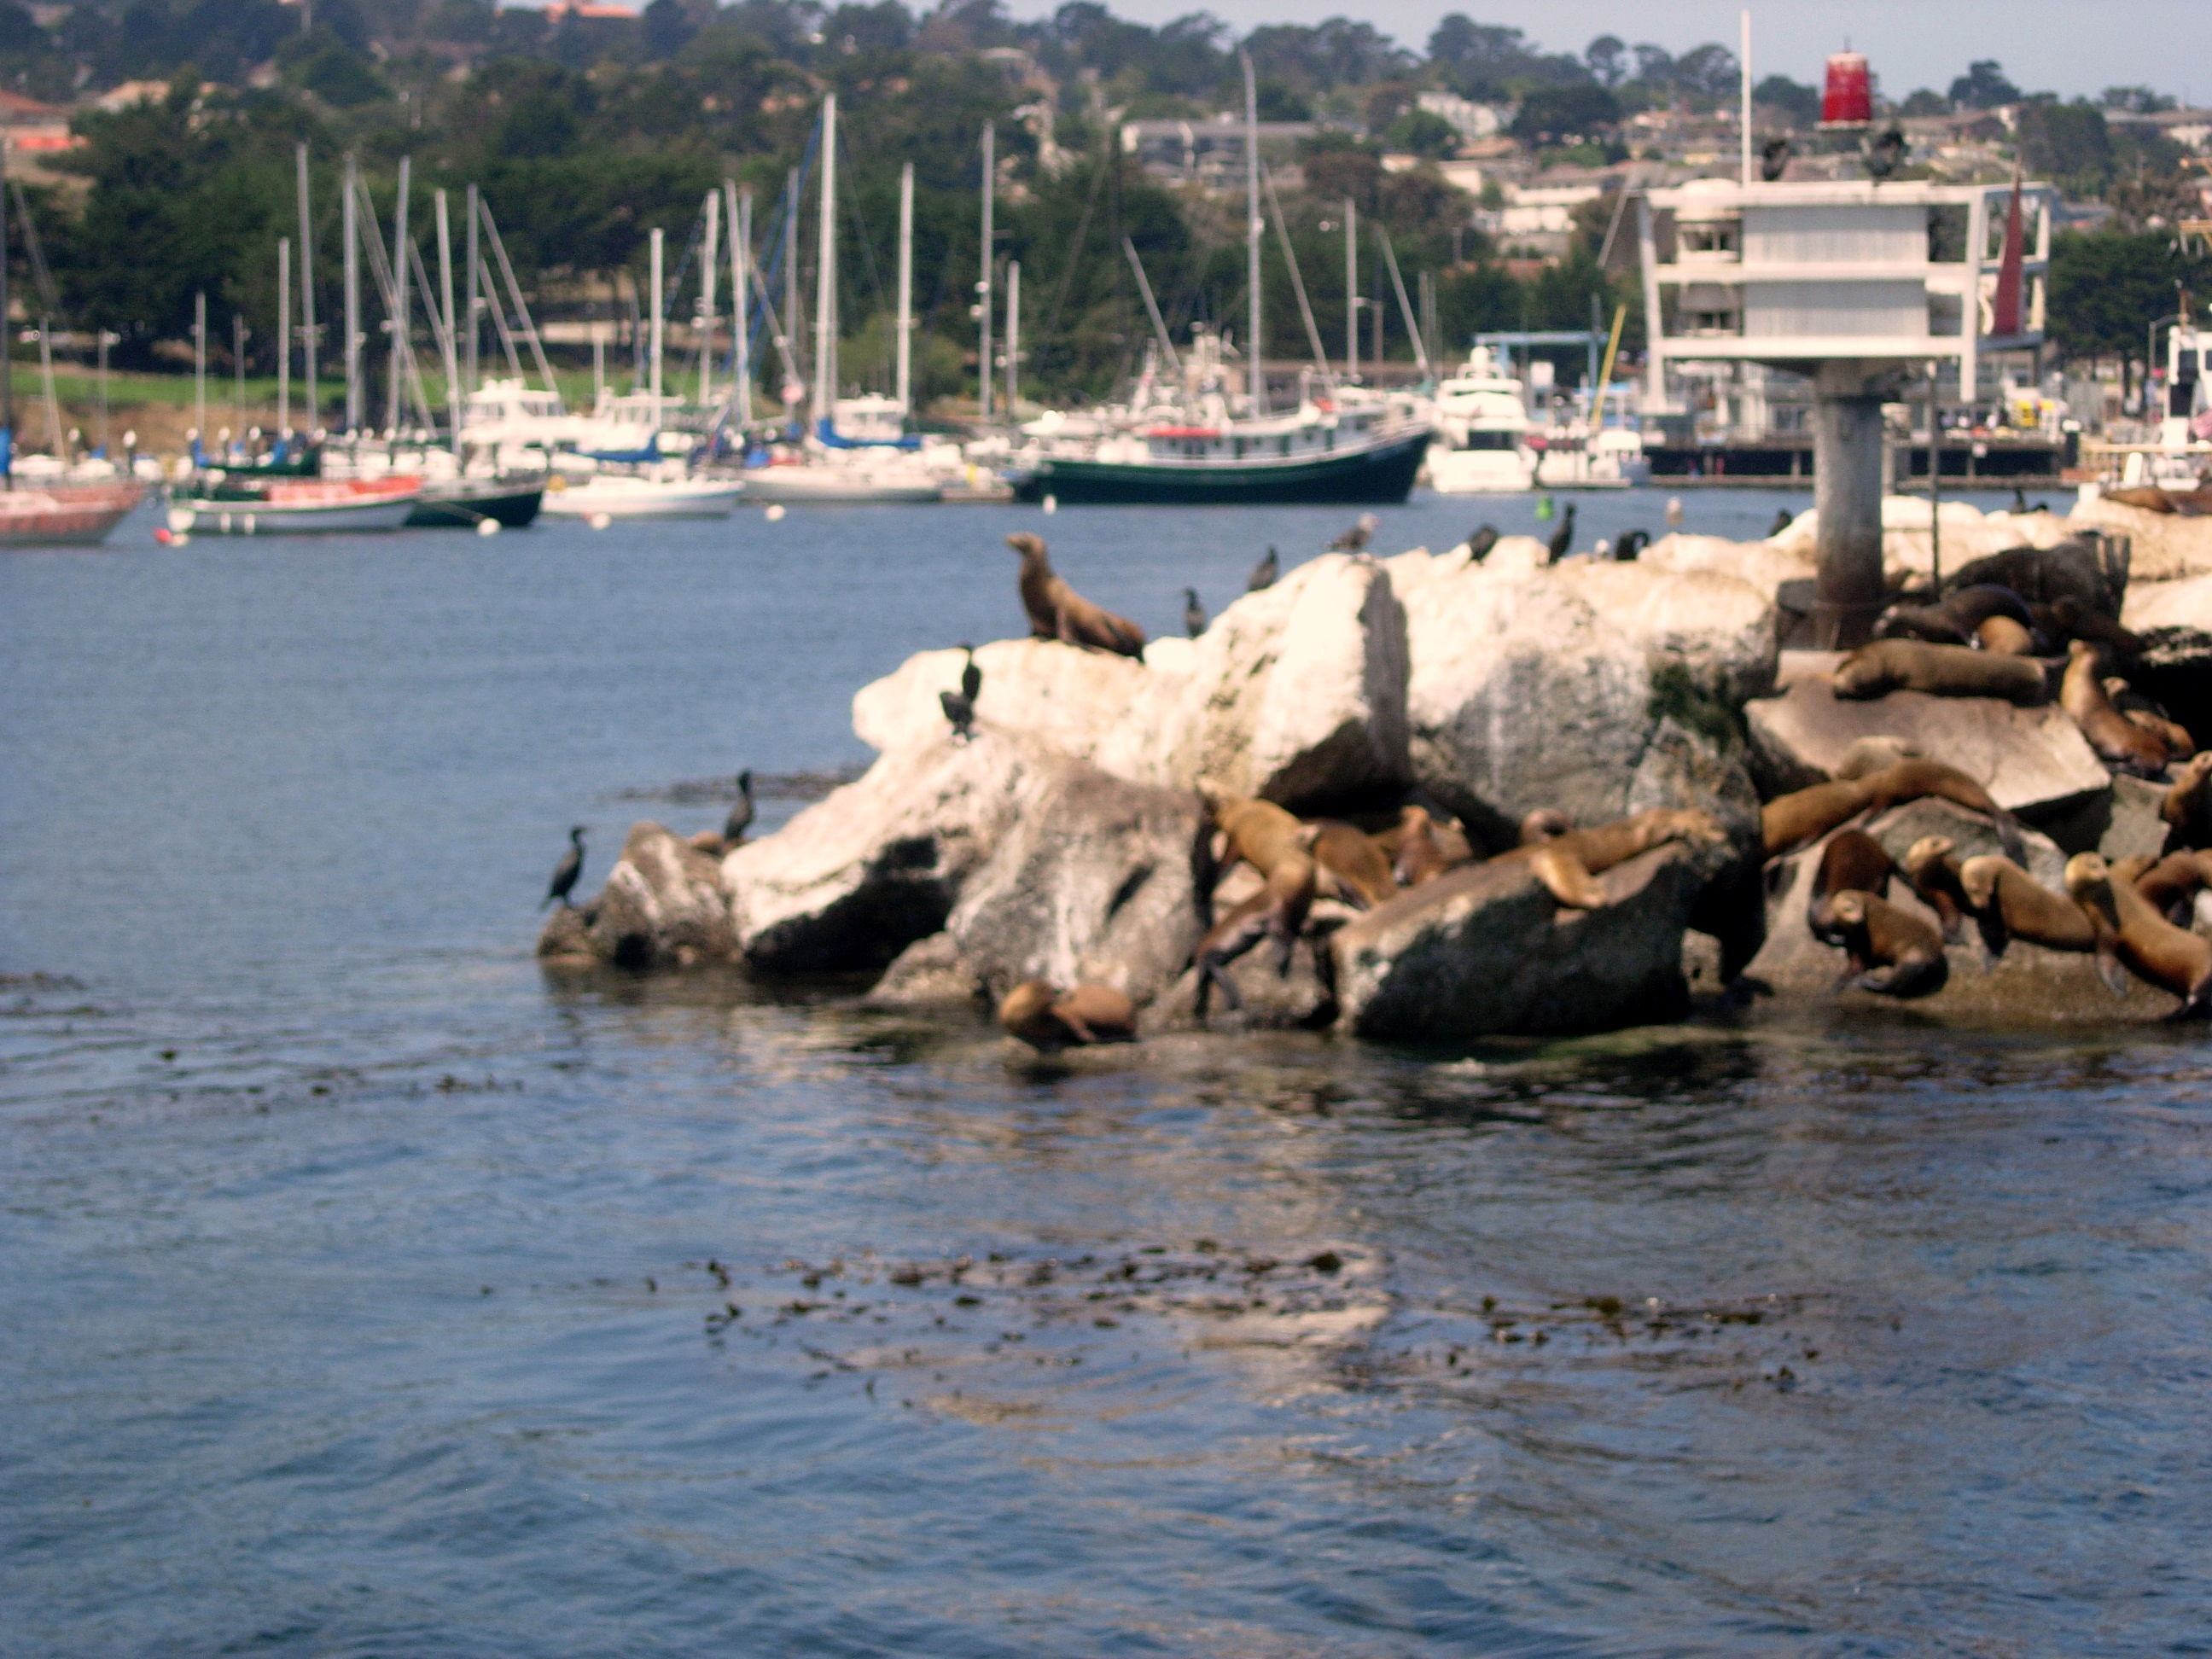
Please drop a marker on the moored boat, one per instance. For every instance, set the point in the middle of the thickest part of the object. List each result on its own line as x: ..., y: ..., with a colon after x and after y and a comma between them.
x: 65, y: 515
x: 295, y: 506
x: 467, y: 503
x: 637, y: 496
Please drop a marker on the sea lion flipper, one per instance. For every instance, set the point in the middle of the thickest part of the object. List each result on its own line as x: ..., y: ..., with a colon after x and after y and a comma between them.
x: 1567, y: 879
x: 1076, y: 1025
x: 2109, y: 969
x: 1990, y: 924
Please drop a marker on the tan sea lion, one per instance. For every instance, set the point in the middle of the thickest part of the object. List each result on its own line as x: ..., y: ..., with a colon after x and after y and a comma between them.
x: 1568, y: 864
x: 1057, y: 612
x: 2172, y: 885
x: 1852, y: 861
x: 1545, y: 823
x: 2008, y: 903
x: 2071, y: 619
x: 1788, y: 822
x: 1944, y: 671
x: 2119, y: 741
x: 1048, y: 1018
x: 2005, y: 636
x: 1931, y: 870
x: 2180, y: 745
x: 1277, y: 911
x: 1891, y: 951
x: 1259, y: 831
x: 1417, y: 857
x: 2153, y: 949
x: 1360, y: 868
x: 2188, y: 803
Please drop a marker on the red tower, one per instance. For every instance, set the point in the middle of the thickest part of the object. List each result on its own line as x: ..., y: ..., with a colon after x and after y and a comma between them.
x: 1847, y: 101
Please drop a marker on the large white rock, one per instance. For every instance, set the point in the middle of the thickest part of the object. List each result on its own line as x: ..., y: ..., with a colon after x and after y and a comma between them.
x: 2162, y: 546
x: 1910, y: 545
x: 1063, y: 695
x: 2183, y: 602
x: 1764, y: 565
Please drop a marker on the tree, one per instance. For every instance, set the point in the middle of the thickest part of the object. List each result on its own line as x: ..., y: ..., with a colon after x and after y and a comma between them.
x: 1984, y: 87
x: 1709, y: 70
x: 1607, y: 57
x: 2106, y: 288
x: 2067, y: 143
x: 1551, y: 114
x: 1797, y: 103
x: 1922, y: 101
x: 1419, y: 132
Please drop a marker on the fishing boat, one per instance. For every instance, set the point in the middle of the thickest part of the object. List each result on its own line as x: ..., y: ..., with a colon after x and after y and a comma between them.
x: 65, y: 515
x: 220, y: 505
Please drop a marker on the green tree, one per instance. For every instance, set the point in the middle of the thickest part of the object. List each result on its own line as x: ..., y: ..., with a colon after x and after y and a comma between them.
x: 2107, y: 289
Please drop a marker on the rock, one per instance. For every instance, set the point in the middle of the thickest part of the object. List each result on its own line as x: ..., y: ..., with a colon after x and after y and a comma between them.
x: 930, y: 972
x: 1303, y: 999
x: 1764, y: 565
x: 2183, y: 603
x: 2031, y: 760
x: 1544, y: 686
x: 664, y: 906
x: 1908, y: 554
x: 1061, y: 694
x: 1971, y: 833
x: 1484, y: 948
x: 1096, y: 881
x: 2163, y: 546
x: 855, y: 878
x: 2121, y: 823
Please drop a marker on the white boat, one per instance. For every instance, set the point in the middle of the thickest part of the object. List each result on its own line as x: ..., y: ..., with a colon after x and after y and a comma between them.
x: 849, y: 480
x: 1481, y: 446
x: 644, y: 495
x: 285, y: 507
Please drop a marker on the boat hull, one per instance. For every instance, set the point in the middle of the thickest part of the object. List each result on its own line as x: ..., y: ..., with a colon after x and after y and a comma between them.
x: 447, y: 507
x: 309, y: 507
x: 1381, y: 476
x: 808, y: 486
x: 65, y: 516
x: 644, y: 501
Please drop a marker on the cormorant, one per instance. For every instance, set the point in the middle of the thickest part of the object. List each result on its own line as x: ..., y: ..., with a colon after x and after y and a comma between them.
x: 1264, y: 573
x: 1632, y: 543
x: 565, y: 872
x: 1193, y: 613
x: 1886, y: 154
x: 1479, y: 544
x: 741, y: 812
x: 1774, y: 158
x: 960, y: 709
x: 1355, y: 540
x: 1564, y: 537
x: 1783, y: 520
x: 971, y: 676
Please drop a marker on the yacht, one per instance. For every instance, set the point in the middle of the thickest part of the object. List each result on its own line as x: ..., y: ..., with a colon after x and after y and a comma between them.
x: 1481, y: 444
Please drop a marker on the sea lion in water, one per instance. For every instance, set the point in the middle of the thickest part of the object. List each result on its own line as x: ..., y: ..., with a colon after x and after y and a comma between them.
x: 1568, y: 864
x: 1891, y: 951
x: 1360, y: 868
x: 2119, y: 741
x: 1852, y: 861
x: 2188, y: 803
x: 2181, y: 743
x: 1277, y: 911
x: 2004, y: 636
x: 2153, y: 949
x: 1057, y: 612
x: 1931, y: 870
x: 1943, y: 671
x: 1048, y: 1018
x: 2008, y: 903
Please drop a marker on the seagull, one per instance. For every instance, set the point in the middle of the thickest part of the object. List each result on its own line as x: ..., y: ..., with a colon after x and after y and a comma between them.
x: 1193, y: 613
x: 1264, y: 573
x: 1564, y: 537
x: 741, y: 812
x: 565, y: 872
x: 1355, y: 540
x: 1673, y: 513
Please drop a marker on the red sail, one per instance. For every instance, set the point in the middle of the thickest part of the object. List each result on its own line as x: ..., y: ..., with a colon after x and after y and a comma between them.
x: 2004, y: 307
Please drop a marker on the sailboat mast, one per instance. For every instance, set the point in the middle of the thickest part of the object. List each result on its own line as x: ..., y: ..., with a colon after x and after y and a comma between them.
x: 1351, y: 290
x: 393, y: 407
x: 825, y: 273
x: 468, y: 253
x: 794, y: 336
x: 350, y: 234
x: 1013, y: 336
x: 1259, y: 383
x: 652, y: 372
x: 708, y: 271
x: 906, y: 291
x: 983, y: 284
x: 7, y: 365
x: 283, y: 337
x: 445, y: 305
x: 199, y: 366
x: 741, y: 260
x: 307, y: 295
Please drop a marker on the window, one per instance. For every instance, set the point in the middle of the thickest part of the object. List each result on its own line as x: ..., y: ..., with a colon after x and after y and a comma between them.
x: 1711, y: 237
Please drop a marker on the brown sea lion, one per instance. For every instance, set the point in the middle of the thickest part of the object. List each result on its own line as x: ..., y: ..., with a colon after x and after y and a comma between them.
x: 1360, y: 869
x: 2153, y: 949
x: 2008, y: 903
x: 2180, y: 744
x: 1418, y: 857
x: 1788, y: 822
x: 1045, y: 1017
x: 1567, y: 865
x: 1970, y: 606
x: 2004, y: 635
x: 1277, y: 911
x: 1259, y: 831
x: 1057, y: 612
x: 1545, y: 823
x: 2119, y: 741
x: 2188, y: 803
x: 1929, y: 623
x: 2075, y: 619
x: 1931, y: 870
x: 1944, y: 671
x: 2172, y: 883
x: 1852, y: 861
x: 1891, y: 951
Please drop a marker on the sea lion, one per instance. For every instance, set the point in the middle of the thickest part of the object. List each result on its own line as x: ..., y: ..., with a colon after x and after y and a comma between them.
x: 1929, y: 623
x: 1259, y: 832
x: 2005, y: 636
x: 1277, y: 911
x: 1969, y: 607
x: 1048, y: 1018
x: 1891, y: 951
x: 1872, y: 754
x: 2119, y: 741
x: 2181, y: 743
x: 2153, y: 949
x: 2172, y: 883
x: 2188, y: 803
x: 1790, y: 821
x: 1545, y: 823
x: 1853, y: 860
x: 2043, y: 575
x: 1416, y: 857
x: 2008, y: 903
x: 1931, y: 870
x: 1057, y: 612
x: 1943, y: 671
x: 1568, y: 864
x: 1359, y: 868
x: 2077, y: 619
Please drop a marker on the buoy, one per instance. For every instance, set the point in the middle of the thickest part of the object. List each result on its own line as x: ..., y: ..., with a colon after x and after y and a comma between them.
x: 600, y: 520
x: 1052, y: 503
x: 1544, y: 509
x: 775, y: 514
x: 489, y: 527
x: 162, y: 535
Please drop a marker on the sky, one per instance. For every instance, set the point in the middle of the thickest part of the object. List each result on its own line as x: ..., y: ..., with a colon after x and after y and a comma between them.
x: 2072, y: 47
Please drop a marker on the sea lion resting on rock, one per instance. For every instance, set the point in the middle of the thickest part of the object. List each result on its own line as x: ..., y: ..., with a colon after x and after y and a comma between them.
x: 1852, y: 861
x: 1417, y: 853
x: 2008, y: 903
x: 1568, y: 864
x: 1931, y: 870
x: 1258, y: 831
x: 1944, y: 671
x: 1957, y: 618
x: 1261, y: 833
x: 2188, y: 803
x: 1891, y: 951
x: 2004, y: 636
x: 1361, y: 871
x: 1790, y: 821
x: 2172, y: 883
x: 1057, y: 612
x: 1048, y: 1018
x: 2155, y: 950
x: 2117, y: 740
x: 2181, y: 743
x: 1277, y: 911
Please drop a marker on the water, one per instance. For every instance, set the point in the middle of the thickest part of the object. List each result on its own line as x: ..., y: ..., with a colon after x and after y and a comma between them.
x: 368, y: 1290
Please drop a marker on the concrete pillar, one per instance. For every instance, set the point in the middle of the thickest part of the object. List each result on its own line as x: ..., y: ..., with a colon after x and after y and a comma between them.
x: 1847, y: 489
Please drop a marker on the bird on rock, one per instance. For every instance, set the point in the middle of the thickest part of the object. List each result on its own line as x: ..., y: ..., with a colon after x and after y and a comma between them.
x: 1264, y: 573
x: 1479, y: 544
x: 1193, y: 613
x: 971, y: 675
x: 1783, y: 520
x: 1564, y: 537
x: 1632, y: 543
x: 1355, y: 540
x: 959, y: 706
x: 565, y: 872
x: 741, y: 811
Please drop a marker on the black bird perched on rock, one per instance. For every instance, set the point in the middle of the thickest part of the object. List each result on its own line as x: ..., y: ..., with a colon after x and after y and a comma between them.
x: 1355, y: 540
x: 565, y: 872
x: 1264, y: 573
x: 1193, y: 613
x: 1479, y: 544
x: 1886, y: 154
x: 971, y: 676
x: 1774, y: 158
x: 1632, y: 543
x: 1783, y: 520
x: 959, y: 706
x: 1564, y: 537
x: 741, y: 812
